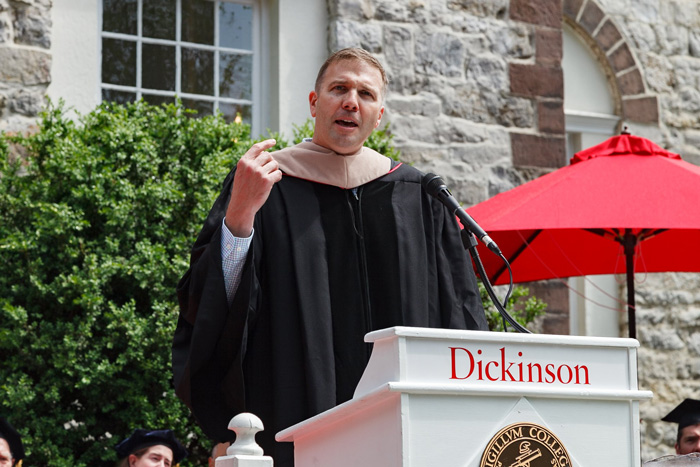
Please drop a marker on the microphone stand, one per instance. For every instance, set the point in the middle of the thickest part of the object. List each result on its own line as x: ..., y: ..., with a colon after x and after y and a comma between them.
x: 470, y: 242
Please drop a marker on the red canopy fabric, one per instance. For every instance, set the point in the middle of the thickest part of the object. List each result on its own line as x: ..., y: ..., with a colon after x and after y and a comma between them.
x: 561, y: 224
x: 624, y: 144
x: 602, y: 192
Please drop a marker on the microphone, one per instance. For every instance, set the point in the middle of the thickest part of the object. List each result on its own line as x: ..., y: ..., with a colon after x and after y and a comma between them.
x: 436, y: 187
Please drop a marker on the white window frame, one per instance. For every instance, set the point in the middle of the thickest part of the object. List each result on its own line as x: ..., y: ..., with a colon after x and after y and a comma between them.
x: 593, y: 300
x: 256, y: 95
x: 290, y: 44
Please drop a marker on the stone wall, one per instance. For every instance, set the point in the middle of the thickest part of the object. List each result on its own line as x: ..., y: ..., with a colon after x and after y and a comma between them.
x: 668, y: 329
x: 476, y: 96
x: 665, y: 39
x: 25, y: 61
x: 451, y: 66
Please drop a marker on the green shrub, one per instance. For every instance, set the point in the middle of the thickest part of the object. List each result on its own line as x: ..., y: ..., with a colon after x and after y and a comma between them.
x: 521, y: 306
x: 96, y: 222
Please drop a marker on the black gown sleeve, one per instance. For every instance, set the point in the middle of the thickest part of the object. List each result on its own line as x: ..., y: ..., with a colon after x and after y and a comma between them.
x: 456, y: 275
x: 208, y: 343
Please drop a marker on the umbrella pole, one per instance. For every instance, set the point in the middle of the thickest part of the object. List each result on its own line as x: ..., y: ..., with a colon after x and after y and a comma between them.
x: 630, y: 243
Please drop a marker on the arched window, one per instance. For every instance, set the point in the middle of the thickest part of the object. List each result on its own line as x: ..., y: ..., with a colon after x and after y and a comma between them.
x: 589, y: 108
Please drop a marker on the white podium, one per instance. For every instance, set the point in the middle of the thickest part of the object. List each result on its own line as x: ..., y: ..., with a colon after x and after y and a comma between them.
x: 437, y: 397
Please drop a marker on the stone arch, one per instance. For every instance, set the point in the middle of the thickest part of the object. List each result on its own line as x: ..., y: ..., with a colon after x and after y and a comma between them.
x: 634, y: 102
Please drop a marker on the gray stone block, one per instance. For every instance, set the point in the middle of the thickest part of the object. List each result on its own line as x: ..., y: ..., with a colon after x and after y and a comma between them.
x: 440, y: 54
x: 24, y: 66
x: 27, y: 102
x: 32, y: 26
x: 353, y: 34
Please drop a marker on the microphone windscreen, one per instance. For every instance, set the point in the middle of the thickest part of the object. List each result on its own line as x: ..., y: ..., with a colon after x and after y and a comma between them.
x: 432, y: 183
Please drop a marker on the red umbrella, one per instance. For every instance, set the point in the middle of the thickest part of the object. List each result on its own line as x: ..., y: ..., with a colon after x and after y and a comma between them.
x: 623, y: 206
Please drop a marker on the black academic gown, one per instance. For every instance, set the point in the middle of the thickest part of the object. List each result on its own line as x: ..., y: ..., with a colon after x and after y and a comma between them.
x: 326, y: 266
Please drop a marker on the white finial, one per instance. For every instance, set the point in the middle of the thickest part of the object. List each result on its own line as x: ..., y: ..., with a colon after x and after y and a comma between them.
x: 245, y: 425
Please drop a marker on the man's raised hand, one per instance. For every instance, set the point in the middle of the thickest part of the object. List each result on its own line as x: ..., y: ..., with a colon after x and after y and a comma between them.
x: 256, y: 173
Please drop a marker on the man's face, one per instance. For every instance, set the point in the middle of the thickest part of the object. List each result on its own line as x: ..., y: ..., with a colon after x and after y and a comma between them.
x: 689, y: 441
x: 347, y: 106
x: 5, y: 457
x: 155, y: 456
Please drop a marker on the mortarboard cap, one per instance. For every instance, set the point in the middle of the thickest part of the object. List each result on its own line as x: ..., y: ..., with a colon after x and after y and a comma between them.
x: 141, y: 438
x: 9, y: 434
x: 685, y: 414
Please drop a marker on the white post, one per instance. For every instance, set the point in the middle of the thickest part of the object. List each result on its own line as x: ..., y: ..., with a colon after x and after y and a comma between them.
x: 245, y: 452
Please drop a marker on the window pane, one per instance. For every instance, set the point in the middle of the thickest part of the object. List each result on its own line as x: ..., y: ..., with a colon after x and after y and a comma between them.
x: 157, y: 100
x: 236, y: 26
x: 119, y: 62
x: 198, y: 21
x: 230, y: 111
x: 159, y: 19
x: 235, y: 76
x: 119, y: 16
x: 158, y: 67
x: 198, y: 71
x: 205, y: 76
x: 119, y: 97
x: 203, y: 108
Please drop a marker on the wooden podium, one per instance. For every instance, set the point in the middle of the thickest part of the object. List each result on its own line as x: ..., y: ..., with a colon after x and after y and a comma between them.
x: 437, y: 397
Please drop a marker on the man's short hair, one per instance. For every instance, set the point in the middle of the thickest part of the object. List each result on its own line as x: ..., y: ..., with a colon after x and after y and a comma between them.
x: 352, y: 53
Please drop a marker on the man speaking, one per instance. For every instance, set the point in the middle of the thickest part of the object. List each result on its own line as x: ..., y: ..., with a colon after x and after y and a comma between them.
x: 305, y: 251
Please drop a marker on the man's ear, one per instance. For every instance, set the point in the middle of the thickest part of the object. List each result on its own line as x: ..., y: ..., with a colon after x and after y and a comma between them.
x: 313, y: 98
x: 379, y: 118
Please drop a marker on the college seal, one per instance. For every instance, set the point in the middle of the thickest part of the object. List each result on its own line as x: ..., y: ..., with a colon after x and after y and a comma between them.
x: 525, y: 445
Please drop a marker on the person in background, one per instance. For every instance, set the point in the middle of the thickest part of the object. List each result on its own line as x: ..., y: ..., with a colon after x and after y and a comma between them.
x: 157, y: 448
x: 305, y: 251
x: 11, y: 448
x: 687, y: 415
x: 217, y: 451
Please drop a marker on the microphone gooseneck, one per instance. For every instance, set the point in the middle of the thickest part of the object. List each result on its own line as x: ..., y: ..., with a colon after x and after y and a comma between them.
x: 435, y: 186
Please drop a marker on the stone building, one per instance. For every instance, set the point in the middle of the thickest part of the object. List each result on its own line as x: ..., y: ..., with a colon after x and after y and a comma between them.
x: 487, y: 93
